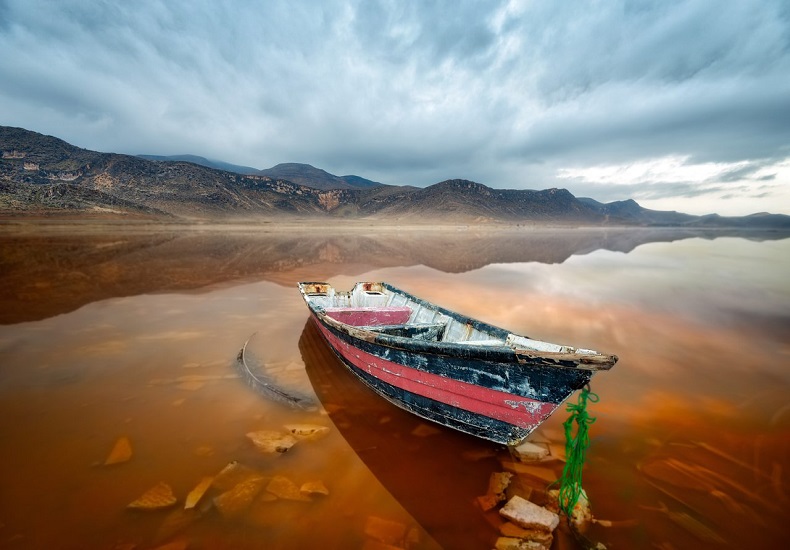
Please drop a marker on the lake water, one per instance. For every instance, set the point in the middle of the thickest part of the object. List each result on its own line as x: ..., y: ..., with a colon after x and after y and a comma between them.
x: 132, y: 332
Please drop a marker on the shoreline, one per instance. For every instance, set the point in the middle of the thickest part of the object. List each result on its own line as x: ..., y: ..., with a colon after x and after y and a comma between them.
x: 295, y: 224
x: 73, y: 222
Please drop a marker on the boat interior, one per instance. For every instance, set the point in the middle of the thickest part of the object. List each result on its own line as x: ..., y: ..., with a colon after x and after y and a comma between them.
x: 380, y: 308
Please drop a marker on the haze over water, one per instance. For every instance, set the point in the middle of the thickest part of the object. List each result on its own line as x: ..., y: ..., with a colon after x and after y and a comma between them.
x: 113, y: 332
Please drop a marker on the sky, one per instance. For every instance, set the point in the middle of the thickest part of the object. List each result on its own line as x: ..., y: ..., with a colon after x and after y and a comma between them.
x: 679, y: 105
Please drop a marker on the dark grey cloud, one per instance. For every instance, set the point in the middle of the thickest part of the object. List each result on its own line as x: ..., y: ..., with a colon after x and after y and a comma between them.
x: 748, y: 171
x: 508, y: 93
x: 427, y: 34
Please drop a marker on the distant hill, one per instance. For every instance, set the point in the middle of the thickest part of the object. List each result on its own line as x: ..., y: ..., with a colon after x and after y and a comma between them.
x: 45, y: 176
x: 303, y: 174
x: 359, y: 182
x: 310, y: 176
x: 202, y: 161
x: 629, y: 210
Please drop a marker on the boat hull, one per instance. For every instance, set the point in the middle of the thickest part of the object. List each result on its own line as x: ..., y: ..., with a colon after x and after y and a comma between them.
x: 482, y: 392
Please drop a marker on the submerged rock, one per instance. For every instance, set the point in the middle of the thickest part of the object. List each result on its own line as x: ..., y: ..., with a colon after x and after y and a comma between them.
x: 197, y: 493
x: 310, y: 488
x: 511, y: 543
x: 529, y: 452
x: 233, y: 474
x: 121, y: 452
x: 581, y: 517
x: 176, y: 521
x: 307, y: 431
x: 234, y: 502
x: 529, y: 515
x: 512, y: 530
x: 282, y: 487
x: 497, y: 485
x: 155, y: 498
x: 385, y: 530
x: 498, y: 482
x: 272, y: 442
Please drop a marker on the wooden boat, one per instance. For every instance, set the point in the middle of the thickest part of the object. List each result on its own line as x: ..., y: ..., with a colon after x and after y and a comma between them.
x: 446, y: 367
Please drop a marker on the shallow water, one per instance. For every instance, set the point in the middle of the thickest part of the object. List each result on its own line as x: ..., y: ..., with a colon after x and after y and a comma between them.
x: 133, y: 332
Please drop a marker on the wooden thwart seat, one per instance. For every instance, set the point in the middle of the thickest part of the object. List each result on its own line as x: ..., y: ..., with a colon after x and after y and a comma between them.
x: 482, y: 342
x: 417, y: 331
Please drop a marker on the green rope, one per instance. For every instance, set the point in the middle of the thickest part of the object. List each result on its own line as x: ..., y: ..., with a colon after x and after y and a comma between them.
x: 575, y: 447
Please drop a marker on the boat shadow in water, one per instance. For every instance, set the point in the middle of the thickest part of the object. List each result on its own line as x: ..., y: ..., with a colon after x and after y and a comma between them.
x: 434, y: 472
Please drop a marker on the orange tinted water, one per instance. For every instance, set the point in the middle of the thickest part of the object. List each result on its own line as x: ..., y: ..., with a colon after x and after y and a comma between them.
x: 111, y: 334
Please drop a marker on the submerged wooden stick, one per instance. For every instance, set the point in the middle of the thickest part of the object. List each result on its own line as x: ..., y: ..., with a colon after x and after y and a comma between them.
x: 262, y: 385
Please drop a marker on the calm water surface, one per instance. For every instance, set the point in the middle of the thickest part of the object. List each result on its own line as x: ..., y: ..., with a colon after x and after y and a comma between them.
x: 133, y: 332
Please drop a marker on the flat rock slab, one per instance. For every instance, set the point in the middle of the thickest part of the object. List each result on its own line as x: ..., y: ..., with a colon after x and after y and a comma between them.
x: 236, y: 501
x: 529, y: 515
x: 233, y: 474
x: 511, y: 543
x: 155, y: 498
x: 310, y: 488
x: 282, y: 487
x: 121, y: 452
x: 386, y: 531
x: 529, y: 452
x: 497, y: 485
x: 512, y: 530
x: 307, y: 431
x: 270, y: 441
x: 197, y: 493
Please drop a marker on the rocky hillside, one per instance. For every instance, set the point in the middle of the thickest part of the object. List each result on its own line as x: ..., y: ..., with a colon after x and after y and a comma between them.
x: 303, y: 174
x: 203, y: 161
x: 43, y: 175
x: 310, y: 176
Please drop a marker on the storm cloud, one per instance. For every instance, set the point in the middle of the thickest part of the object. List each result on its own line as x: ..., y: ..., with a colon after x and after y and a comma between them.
x: 510, y: 94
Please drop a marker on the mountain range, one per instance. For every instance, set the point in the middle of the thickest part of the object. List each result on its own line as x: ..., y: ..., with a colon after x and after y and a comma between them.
x: 295, y: 172
x: 45, y: 176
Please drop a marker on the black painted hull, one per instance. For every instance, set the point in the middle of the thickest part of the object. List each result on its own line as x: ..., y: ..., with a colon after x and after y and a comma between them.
x: 488, y: 392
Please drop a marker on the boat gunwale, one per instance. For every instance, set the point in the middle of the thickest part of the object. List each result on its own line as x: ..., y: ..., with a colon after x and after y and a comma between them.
x: 500, y: 353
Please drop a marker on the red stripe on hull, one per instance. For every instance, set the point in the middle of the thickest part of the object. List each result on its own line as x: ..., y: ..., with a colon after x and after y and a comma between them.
x: 513, y: 409
x: 369, y: 316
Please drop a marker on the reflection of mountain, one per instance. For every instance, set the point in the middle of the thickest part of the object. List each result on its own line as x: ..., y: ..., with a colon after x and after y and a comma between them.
x: 427, y: 472
x: 46, y: 273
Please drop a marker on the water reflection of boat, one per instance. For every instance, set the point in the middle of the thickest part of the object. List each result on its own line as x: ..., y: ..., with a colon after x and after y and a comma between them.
x: 445, y: 367
x: 435, y: 474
